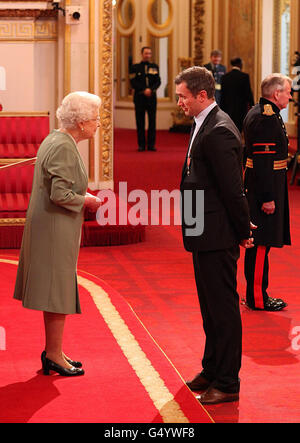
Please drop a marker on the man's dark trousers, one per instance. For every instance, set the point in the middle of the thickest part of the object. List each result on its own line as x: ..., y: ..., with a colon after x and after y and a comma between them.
x: 145, y: 104
x: 215, y: 275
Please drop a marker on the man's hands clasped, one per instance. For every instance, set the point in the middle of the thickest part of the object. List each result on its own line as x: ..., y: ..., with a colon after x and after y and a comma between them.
x: 249, y: 242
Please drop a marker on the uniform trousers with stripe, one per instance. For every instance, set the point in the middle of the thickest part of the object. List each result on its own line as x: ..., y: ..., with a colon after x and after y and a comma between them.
x: 256, y: 268
x: 145, y: 105
x: 215, y: 275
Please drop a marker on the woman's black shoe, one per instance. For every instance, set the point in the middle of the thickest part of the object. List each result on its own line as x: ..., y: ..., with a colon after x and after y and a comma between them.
x: 76, y: 364
x: 49, y: 365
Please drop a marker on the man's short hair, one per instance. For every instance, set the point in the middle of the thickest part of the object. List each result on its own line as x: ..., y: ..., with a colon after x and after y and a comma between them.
x: 216, y: 53
x: 197, y: 79
x: 272, y: 83
x: 145, y: 47
x: 237, y: 61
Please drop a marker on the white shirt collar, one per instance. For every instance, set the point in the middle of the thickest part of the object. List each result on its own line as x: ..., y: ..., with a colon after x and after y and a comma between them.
x: 199, y: 119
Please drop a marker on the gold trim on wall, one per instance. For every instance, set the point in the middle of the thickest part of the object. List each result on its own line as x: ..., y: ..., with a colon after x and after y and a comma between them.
x: 92, y: 82
x: 239, y: 33
x: 150, y: 16
x: 279, y: 8
x: 258, y: 50
x: 67, y: 56
x: 118, y: 63
x: 106, y: 88
x: 169, y: 35
x: 198, y: 28
x: 24, y: 30
x: 119, y: 14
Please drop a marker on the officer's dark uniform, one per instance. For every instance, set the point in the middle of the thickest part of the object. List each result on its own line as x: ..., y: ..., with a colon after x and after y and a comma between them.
x: 218, y: 71
x: 142, y: 76
x: 265, y: 181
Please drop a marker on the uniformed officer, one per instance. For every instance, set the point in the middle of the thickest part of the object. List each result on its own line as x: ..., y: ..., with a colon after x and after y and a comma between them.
x: 218, y: 70
x: 266, y: 187
x: 145, y: 80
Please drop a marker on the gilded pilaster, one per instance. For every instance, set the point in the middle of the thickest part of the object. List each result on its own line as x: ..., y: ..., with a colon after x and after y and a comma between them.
x: 106, y: 92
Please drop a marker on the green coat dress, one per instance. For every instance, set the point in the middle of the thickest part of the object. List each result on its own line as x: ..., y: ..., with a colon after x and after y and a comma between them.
x: 46, y: 277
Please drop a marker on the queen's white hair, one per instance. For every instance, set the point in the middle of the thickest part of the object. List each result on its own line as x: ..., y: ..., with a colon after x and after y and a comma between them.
x: 77, y: 107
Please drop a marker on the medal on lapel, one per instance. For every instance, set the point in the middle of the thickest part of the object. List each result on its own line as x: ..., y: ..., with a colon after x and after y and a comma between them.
x: 188, y: 165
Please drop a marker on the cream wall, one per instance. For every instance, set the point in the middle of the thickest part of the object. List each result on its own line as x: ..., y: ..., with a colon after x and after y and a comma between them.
x: 28, y: 56
x: 77, y: 68
x: 17, y: 59
x: 30, y: 70
x: 267, y: 38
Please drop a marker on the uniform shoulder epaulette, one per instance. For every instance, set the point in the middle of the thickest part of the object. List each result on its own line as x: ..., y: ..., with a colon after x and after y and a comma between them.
x: 268, y: 110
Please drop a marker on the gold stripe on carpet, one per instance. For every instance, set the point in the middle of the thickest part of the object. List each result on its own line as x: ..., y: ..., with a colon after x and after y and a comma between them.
x: 162, y: 398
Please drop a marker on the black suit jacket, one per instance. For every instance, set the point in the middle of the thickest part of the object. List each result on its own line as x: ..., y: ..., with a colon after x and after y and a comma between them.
x: 236, y: 96
x: 215, y: 168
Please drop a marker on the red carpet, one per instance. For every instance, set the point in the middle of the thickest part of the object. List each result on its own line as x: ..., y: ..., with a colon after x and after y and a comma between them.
x: 128, y: 378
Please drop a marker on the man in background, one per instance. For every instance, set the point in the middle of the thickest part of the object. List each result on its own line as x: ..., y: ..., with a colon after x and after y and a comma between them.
x: 145, y: 80
x: 266, y: 187
x: 236, y: 93
x: 218, y: 70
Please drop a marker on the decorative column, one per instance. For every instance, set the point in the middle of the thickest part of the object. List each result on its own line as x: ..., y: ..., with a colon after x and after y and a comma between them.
x: 198, y: 27
x: 105, y: 70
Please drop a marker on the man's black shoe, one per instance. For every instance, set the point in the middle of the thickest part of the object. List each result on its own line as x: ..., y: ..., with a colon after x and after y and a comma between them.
x: 275, y: 304
x: 271, y: 305
x: 152, y: 149
x: 141, y: 149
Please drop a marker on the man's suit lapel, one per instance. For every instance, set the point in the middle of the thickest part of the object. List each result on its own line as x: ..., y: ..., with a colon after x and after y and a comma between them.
x: 198, y: 135
x: 190, y: 139
x: 209, y: 117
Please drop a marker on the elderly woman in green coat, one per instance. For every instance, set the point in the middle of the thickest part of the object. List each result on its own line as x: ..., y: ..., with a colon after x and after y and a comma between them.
x: 46, y: 277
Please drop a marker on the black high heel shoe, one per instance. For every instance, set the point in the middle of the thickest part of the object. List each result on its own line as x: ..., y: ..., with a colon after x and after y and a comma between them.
x: 49, y: 365
x: 76, y: 364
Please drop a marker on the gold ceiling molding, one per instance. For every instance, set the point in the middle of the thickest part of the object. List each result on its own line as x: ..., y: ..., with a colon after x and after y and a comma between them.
x: 28, y: 30
x: 106, y: 77
x: 28, y: 13
x: 199, y: 11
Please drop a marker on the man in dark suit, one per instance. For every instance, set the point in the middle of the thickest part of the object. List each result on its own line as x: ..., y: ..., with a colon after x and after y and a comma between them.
x: 145, y: 80
x: 217, y: 70
x: 214, y: 164
x: 236, y: 93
